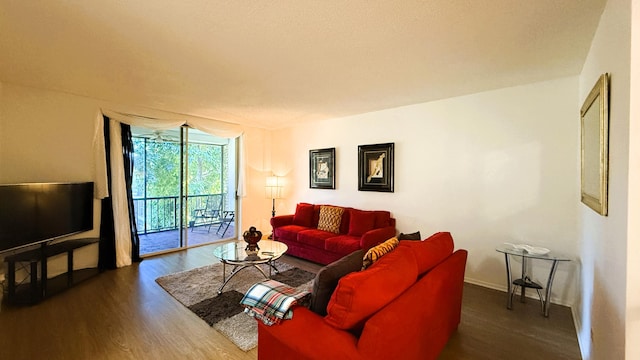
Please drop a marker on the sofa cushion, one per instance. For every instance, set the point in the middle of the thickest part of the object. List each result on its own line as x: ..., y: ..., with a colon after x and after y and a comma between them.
x: 361, y: 222
x: 342, y: 244
x: 288, y: 232
x: 411, y: 236
x: 378, y: 251
x: 303, y: 215
x: 314, y: 237
x: 330, y: 219
x: 327, y: 278
x: 361, y: 294
x: 431, y: 251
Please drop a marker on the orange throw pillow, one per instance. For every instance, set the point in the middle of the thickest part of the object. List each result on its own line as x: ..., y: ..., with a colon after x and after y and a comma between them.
x: 378, y: 251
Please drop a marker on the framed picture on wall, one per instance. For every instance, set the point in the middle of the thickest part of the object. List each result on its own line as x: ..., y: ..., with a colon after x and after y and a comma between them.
x: 322, y: 168
x: 375, y: 167
x: 594, y: 123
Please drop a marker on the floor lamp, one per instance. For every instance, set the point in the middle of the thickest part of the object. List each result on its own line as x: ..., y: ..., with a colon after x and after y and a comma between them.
x: 273, y: 191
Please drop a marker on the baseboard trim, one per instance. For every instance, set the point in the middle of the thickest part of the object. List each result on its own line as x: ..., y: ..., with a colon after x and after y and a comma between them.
x: 577, y: 323
x: 503, y: 288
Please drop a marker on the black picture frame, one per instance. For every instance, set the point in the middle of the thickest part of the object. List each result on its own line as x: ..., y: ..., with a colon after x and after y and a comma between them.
x: 322, y: 168
x: 375, y: 167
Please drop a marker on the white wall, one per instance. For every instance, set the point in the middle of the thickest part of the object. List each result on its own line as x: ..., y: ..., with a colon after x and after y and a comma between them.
x: 256, y: 208
x: 633, y: 237
x: 40, y: 129
x: 600, y: 315
x: 492, y: 167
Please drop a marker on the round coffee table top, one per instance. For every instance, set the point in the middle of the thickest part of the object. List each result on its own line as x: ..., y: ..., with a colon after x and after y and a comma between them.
x: 234, y: 252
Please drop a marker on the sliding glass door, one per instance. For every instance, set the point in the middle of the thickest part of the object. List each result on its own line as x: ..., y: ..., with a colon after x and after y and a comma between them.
x: 181, y: 188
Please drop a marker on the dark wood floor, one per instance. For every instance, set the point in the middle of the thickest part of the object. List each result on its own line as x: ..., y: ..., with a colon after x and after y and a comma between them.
x: 124, y: 314
x: 488, y: 330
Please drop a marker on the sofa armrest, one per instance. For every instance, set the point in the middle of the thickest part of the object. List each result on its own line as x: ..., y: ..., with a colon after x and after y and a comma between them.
x: 376, y: 236
x: 306, y: 336
x: 281, y: 220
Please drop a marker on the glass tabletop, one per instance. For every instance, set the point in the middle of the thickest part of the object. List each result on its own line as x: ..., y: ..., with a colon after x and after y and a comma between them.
x: 234, y: 252
x: 551, y: 255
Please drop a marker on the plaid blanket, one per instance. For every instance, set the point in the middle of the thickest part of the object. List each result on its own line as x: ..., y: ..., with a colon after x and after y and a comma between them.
x: 271, y: 301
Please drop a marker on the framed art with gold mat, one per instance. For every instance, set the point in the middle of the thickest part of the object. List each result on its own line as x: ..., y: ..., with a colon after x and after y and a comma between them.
x: 594, y: 150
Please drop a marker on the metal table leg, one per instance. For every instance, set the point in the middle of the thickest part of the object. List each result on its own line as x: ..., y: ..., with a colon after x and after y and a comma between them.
x: 272, y: 265
x: 511, y: 288
x: 237, y: 269
x: 507, y: 261
x: 524, y: 277
x: 547, y: 294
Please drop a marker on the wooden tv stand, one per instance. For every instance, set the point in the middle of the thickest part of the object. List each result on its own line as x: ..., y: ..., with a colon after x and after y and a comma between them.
x: 38, y: 289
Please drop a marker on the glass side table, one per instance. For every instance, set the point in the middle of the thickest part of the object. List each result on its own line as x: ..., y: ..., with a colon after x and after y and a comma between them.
x: 525, y: 281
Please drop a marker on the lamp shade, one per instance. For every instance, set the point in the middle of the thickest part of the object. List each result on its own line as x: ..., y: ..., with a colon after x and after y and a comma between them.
x: 273, y: 188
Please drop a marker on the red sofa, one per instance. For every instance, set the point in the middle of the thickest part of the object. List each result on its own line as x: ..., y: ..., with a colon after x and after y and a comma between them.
x: 404, y: 306
x: 359, y: 229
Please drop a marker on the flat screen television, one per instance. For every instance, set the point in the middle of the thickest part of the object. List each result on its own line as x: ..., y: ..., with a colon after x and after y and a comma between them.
x: 33, y: 213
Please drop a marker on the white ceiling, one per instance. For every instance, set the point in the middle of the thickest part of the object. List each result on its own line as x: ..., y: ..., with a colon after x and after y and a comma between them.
x: 273, y: 63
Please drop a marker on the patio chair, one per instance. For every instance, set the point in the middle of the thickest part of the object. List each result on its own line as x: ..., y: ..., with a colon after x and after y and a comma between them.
x: 210, y: 214
x: 225, y: 222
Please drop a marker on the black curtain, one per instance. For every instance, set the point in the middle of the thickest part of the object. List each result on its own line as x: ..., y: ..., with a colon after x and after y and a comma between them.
x: 107, y: 246
x: 127, y: 152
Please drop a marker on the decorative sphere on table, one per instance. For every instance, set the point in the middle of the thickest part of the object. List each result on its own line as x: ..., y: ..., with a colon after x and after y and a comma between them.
x: 252, y: 237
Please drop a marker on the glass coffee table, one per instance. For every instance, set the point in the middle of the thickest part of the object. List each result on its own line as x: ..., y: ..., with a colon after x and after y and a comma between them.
x: 235, y: 253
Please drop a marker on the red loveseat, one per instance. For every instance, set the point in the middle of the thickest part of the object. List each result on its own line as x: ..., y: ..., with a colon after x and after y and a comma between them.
x: 358, y: 229
x: 404, y: 306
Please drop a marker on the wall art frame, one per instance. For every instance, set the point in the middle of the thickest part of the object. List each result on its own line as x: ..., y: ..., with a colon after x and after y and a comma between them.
x: 375, y: 167
x: 322, y: 168
x: 594, y: 149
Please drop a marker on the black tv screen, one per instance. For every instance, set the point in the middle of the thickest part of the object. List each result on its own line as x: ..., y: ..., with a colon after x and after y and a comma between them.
x: 38, y: 212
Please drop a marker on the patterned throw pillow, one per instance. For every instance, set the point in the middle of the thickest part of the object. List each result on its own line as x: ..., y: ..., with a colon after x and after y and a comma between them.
x: 378, y: 251
x: 330, y: 218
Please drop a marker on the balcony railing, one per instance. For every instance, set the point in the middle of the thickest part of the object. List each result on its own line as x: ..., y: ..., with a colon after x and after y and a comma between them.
x: 154, y: 214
